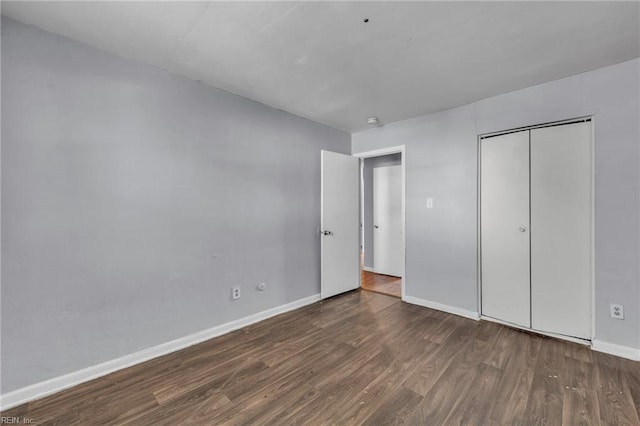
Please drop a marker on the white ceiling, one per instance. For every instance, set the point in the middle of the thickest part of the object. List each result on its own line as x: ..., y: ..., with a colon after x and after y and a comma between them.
x: 321, y: 61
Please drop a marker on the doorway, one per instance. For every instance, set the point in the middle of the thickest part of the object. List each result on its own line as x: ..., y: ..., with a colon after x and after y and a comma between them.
x: 382, y: 239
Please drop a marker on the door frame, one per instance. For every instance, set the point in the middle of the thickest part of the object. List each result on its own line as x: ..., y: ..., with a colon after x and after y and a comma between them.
x: 401, y: 149
x: 586, y: 118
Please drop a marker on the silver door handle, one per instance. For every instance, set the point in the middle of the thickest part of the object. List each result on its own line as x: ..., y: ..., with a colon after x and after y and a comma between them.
x: 376, y: 226
x: 327, y: 233
x: 522, y: 229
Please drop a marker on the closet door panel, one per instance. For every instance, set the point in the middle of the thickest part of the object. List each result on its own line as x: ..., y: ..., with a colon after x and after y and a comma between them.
x: 504, y: 227
x: 561, y: 229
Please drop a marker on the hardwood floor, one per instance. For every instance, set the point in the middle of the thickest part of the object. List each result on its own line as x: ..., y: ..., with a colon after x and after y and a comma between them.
x: 360, y: 358
x: 379, y: 283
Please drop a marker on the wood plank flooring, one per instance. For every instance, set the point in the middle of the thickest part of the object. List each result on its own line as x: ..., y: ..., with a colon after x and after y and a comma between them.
x: 360, y: 358
x: 379, y: 283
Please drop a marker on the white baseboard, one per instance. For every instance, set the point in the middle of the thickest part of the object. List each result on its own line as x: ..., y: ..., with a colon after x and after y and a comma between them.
x: 617, y: 350
x: 441, y: 307
x: 57, y: 384
x: 368, y: 269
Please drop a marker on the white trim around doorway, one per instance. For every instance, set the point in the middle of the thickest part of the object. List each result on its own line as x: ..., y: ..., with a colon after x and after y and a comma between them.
x: 403, y: 162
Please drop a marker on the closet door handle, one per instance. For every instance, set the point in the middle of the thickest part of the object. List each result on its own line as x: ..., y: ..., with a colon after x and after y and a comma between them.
x: 522, y: 229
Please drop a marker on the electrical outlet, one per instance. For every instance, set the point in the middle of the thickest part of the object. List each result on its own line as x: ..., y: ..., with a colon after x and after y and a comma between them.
x: 235, y: 293
x: 262, y: 286
x: 617, y: 311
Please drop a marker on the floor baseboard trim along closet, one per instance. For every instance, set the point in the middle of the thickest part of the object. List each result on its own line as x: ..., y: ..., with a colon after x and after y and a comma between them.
x: 442, y: 307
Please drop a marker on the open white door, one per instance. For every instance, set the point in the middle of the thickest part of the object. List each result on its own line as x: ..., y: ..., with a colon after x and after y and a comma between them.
x: 388, y: 246
x: 340, y: 223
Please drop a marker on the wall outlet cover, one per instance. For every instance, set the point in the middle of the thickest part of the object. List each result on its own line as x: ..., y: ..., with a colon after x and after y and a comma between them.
x: 235, y: 293
x: 616, y: 311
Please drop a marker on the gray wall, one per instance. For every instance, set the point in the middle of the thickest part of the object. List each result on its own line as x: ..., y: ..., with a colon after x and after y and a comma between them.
x: 441, y: 162
x: 367, y: 199
x: 133, y: 199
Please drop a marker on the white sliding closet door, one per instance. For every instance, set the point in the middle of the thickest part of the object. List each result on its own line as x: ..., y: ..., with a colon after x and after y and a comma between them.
x: 504, y: 212
x: 561, y: 229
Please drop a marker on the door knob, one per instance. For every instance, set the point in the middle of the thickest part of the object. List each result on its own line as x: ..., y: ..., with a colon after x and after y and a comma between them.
x: 522, y: 229
x: 376, y: 226
x: 326, y: 233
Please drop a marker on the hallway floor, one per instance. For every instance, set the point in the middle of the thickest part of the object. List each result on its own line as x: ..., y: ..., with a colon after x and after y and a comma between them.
x: 385, y: 284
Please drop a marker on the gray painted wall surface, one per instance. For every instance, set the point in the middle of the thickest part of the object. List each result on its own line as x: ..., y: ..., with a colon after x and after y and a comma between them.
x: 441, y: 162
x: 133, y: 199
x: 367, y: 177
